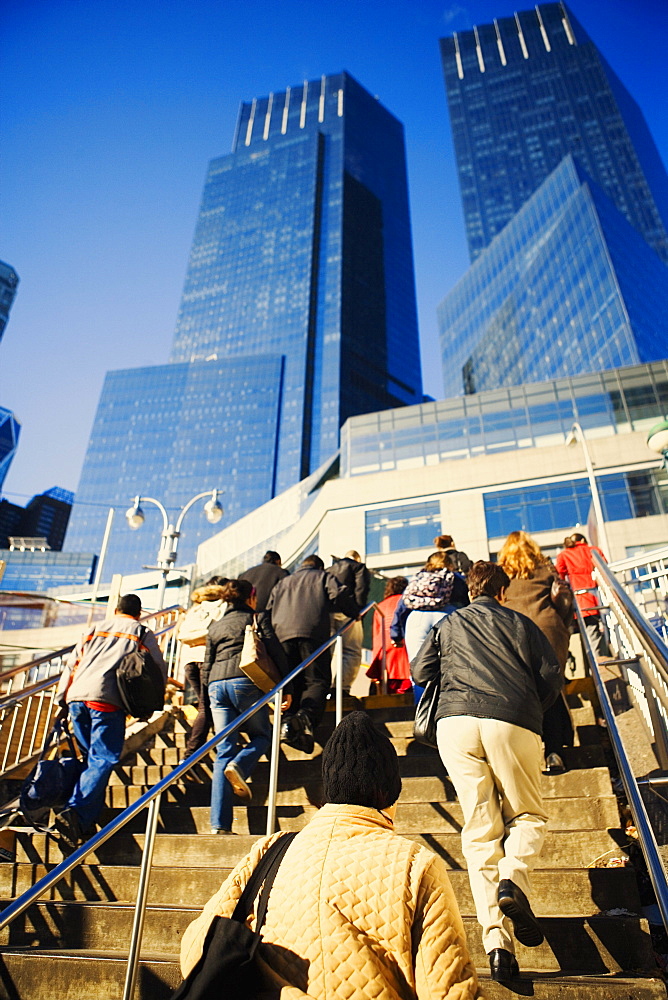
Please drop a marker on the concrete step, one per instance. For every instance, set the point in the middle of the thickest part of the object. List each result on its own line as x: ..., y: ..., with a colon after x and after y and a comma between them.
x: 596, y: 944
x: 429, y: 788
x: 411, y: 817
x: 71, y: 974
x: 562, y: 849
x: 555, y: 892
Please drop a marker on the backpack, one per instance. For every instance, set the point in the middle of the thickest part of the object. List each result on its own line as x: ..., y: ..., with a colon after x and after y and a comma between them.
x: 141, y: 685
x: 429, y: 590
x: 51, y: 782
x: 194, y: 628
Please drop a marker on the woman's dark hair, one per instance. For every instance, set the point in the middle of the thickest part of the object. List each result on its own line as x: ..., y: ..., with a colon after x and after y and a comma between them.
x: 217, y: 581
x: 444, y: 542
x: 237, y: 591
x: 486, y: 578
x: 395, y: 585
x: 578, y: 538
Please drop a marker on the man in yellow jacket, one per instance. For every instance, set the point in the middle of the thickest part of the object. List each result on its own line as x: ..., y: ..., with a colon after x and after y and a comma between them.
x: 354, y: 907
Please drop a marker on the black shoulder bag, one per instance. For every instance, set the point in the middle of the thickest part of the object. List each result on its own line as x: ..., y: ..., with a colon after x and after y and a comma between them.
x: 227, y: 968
x: 141, y: 686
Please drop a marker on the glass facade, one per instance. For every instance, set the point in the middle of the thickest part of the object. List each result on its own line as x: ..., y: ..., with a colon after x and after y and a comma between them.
x: 525, y: 91
x: 298, y: 304
x: 569, y: 286
x: 303, y: 249
x: 605, y: 404
x: 9, y: 439
x: 561, y: 505
x: 9, y: 281
x: 393, y: 529
x: 170, y: 432
x: 39, y: 571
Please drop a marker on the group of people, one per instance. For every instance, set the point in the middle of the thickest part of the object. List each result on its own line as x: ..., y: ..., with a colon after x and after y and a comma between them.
x: 493, y: 636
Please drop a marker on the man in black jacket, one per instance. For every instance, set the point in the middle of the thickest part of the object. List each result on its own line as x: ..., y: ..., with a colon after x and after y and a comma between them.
x: 498, y: 673
x: 264, y: 577
x: 351, y: 572
x: 300, y: 607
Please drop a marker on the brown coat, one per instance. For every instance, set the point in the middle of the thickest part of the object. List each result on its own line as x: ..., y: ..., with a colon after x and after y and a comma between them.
x: 532, y: 598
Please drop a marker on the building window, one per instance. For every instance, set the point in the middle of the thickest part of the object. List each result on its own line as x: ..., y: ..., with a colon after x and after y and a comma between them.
x: 413, y: 526
x: 556, y: 506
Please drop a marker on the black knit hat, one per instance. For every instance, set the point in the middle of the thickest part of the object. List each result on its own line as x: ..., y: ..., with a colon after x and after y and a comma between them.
x: 359, y: 765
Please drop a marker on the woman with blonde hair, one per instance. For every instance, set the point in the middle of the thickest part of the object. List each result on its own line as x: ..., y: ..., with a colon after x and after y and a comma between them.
x: 531, y: 592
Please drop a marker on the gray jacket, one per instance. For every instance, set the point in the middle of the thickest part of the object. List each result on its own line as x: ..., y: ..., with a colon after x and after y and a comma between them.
x: 90, y: 672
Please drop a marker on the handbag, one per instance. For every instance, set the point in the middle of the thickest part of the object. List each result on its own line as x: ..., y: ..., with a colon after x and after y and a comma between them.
x: 141, y: 685
x: 51, y: 782
x: 255, y: 661
x: 424, y: 726
x: 227, y: 967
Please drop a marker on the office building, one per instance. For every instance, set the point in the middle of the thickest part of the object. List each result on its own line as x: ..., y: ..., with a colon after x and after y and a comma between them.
x: 9, y: 281
x: 525, y: 91
x: 568, y: 286
x: 298, y: 312
x: 9, y: 439
x: 475, y: 467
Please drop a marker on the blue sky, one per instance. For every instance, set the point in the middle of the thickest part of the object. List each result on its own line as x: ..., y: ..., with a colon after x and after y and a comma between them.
x: 112, y: 111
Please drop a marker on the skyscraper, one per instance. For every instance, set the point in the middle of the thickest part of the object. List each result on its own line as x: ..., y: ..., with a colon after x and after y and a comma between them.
x: 525, y: 91
x: 9, y: 281
x: 565, y: 202
x: 298, y: 311
x: 10, y: 428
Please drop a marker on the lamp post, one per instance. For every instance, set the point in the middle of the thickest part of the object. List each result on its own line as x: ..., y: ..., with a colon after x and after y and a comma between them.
x: 657, y: 440
x: 577, y: 434
x: 169, y: 538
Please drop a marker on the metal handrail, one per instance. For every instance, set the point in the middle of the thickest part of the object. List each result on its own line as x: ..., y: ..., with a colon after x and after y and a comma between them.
x: 152, y: 797
x: 646, y: 836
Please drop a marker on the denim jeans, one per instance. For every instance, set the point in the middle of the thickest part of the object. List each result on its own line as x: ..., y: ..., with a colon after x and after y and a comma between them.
x: 228, y: 699
x: 100, y: 735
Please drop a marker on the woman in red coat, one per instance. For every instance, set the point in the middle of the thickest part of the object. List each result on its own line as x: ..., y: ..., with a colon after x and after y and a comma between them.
x: 396, y: 658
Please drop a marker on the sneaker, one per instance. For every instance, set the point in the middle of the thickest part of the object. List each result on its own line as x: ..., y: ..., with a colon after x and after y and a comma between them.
x: 514, y: 904
x: 68, y: 826
x: 240, y: 786
x: 554, y: 764
x: 218, y: 831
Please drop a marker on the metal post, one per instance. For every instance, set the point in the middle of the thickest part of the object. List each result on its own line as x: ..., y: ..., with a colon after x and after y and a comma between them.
x: 100, y: 564
x: 576, y: 430
x: 161, y: 590
x: 273, y: 764
x: 383, y: 641
x: 338, y: 673
x: 142, y: 893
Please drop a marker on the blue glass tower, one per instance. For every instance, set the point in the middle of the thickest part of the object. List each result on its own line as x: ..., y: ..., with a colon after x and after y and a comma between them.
x: 298, y: 312
x: 524, y: 92
x: 568, y: 286
x: 9, y: 281
x: 303, y: 249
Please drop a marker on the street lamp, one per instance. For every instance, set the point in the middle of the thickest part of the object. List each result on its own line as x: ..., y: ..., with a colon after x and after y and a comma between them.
x: 577, y: 434
x: 657, y: 440
x: 171, y: 533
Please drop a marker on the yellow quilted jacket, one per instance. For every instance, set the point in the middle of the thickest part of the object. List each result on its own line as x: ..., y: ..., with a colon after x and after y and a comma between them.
x: 356, y: 912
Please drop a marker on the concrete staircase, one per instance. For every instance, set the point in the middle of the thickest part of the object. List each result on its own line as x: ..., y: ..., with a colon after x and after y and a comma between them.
x: 74, y: 944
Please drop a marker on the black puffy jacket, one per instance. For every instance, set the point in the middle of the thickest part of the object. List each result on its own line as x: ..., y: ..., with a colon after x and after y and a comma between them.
x: 226, y: 640
x: 494, y: 664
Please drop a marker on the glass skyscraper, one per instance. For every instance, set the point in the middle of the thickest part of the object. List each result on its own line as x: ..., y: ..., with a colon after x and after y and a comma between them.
x: 568, y: 286
x: 525, y: 91
x: 298, y: 312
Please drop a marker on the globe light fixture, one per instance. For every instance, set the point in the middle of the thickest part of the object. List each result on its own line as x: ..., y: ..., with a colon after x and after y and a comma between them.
x: 213, y: 509
x: 135, y: 515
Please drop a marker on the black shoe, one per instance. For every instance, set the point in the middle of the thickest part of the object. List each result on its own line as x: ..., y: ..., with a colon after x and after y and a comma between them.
x: 69, y: 828
x: 515, y: 905
x: 297, y: 732
x: 503, y: 966
x: 554, y: 764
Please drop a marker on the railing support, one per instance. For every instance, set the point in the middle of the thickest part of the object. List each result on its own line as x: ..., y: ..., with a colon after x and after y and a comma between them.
x: 142, y: 895
x: 273, y: 764
x: 338, y: 674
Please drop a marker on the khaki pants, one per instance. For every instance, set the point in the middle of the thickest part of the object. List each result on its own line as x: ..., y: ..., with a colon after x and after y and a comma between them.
x: 496, y: 770
x: 352, y: 647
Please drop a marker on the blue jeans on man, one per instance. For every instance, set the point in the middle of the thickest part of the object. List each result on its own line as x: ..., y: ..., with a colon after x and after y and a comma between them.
x: 229, y: 699
x: 100, y: 735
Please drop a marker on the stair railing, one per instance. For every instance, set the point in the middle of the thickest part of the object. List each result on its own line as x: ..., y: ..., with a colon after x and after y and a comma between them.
x: 630, y: 632
x: 152, y: 799
x: 28, y: 707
